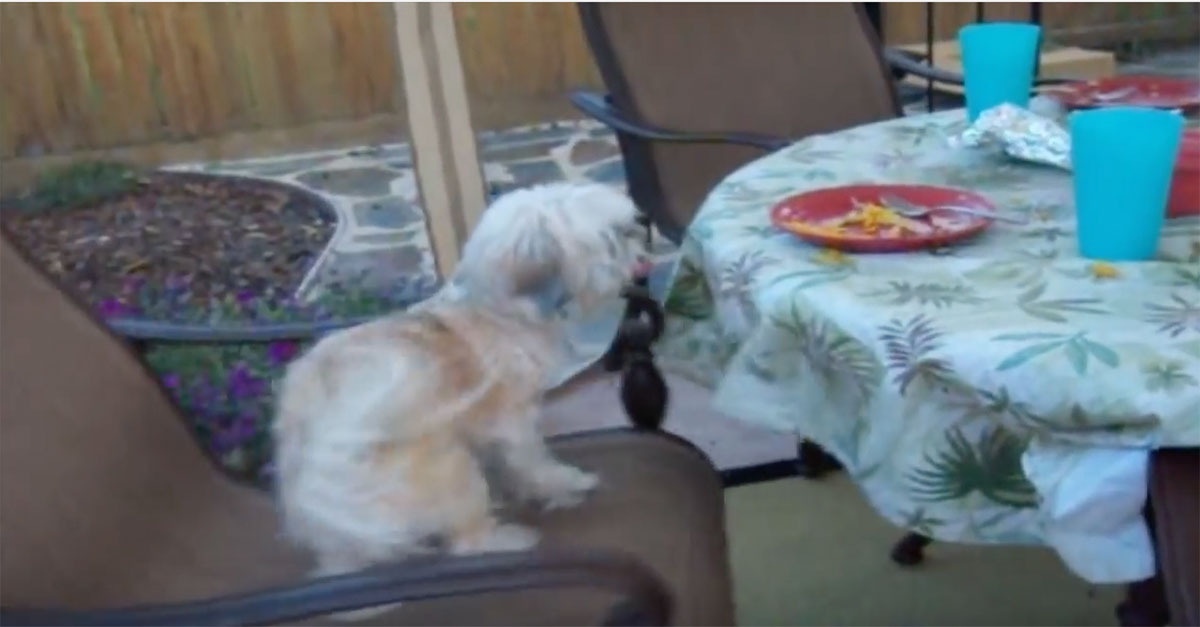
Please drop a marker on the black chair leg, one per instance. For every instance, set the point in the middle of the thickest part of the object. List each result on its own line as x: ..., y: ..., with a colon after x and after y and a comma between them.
x: 812, y: 462
x: 1145, y: 603
x: 910, y: 550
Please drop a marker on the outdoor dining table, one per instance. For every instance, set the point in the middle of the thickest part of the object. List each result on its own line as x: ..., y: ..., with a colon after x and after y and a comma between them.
x: 999, y: 390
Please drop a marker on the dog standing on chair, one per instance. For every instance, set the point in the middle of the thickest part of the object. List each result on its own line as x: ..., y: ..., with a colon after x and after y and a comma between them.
x: 382, y: 428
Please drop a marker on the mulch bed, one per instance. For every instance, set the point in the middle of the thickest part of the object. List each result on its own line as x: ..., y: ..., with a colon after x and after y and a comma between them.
x: 193, y: 248
x: 219, y: 238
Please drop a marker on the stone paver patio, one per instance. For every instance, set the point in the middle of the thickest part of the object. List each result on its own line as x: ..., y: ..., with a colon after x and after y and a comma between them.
x: 382, y: 231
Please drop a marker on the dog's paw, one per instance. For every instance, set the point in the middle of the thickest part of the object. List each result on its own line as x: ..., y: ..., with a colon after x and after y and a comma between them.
x: 566, y: 487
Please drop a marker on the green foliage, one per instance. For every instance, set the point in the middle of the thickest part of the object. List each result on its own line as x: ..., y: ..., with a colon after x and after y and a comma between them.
x: 991, y: 467
x: 1077, y: 348
x: 689, y: 298
x: 908, y: 346
x: 940, y: 295
x: 832, y: 354
x: 76, y: 185
x: 1167, y: 376
x: 1052, y: 310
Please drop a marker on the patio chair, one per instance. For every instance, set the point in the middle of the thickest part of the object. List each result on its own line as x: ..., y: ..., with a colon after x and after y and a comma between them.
x: 111, y: 513
x: 704, y: 69
x: 697, y: 90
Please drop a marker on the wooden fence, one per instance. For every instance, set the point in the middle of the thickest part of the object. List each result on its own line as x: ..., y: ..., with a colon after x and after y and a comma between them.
x: 170, y: 81
x: 100, y: 75
x: 1091, y: 23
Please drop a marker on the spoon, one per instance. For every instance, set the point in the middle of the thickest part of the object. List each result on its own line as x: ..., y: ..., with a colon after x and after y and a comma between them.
x: 913, y: 210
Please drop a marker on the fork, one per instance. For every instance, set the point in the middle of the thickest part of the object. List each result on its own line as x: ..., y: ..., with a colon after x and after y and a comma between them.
x: 1105, y: 96
x: 913, y: 210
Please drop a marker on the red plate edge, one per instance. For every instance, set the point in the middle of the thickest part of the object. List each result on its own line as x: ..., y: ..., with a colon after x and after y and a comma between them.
x: 1174, y: 92
x: 838, y: 200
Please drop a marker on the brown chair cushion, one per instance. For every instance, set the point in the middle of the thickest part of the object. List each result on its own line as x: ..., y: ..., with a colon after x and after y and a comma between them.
x: 107, y: 501
x: 106, y: 497
x: 1175, y: 499
x: 659, y: 500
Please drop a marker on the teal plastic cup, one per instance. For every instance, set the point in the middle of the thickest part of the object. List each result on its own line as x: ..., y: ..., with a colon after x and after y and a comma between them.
x: 999, y: 60
x: 1123, y: 159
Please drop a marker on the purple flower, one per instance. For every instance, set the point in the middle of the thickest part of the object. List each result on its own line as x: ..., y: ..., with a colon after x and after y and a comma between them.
x: 203, y: 396
x: 171, y: 381
x: 243, y: 384
x: 113, y: 307
x: 245, y: 428
x: 225, y: 440
x: 281, y: 352
x: 246, y: 298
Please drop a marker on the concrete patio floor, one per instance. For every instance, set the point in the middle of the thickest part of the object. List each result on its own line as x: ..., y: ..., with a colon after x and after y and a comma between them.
x: 382, y: 232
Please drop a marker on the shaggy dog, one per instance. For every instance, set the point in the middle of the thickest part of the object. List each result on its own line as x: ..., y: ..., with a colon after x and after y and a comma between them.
x: 382, y: 428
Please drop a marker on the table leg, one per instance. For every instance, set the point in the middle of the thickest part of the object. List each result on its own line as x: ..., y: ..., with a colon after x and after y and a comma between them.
x: 1145, y: 603
x: 910, y: 550
x: 812, y: 462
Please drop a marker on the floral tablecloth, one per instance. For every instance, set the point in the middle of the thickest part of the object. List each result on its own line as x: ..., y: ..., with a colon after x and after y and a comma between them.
x: 1003, y: 390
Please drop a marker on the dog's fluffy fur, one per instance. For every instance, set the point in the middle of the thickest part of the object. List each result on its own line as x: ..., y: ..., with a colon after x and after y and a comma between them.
x: 382, y: 428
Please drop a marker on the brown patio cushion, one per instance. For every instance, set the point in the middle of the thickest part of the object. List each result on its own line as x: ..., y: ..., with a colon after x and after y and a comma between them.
x: 1175, y: 499
x: 106, y: 500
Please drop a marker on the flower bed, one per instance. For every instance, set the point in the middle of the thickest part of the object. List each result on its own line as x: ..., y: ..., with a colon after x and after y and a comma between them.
x: 221, y: 365
x: 200, y: 271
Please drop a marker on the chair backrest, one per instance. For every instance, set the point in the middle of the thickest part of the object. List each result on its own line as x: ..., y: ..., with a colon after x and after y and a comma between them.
x: 783, y: 69
x: 96, y: 464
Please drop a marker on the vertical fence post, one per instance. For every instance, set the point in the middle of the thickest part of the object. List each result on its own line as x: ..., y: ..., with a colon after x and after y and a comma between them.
x: 929, y: 54
x: 1035, y: 16
x: 445, y: 156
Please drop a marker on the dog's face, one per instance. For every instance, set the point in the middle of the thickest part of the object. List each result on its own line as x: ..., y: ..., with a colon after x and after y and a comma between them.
x: 578, y: 243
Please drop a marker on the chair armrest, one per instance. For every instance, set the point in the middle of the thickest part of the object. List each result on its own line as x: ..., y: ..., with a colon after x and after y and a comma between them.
x: 645, y: 600
x: 600, y: 107
x: 905, y: 62
x: 909, y: 63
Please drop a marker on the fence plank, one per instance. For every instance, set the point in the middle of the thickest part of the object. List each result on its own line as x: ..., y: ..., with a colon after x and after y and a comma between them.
x: 88, y: 77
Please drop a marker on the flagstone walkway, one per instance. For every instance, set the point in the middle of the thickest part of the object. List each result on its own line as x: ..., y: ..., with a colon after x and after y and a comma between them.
x: 382, y: 231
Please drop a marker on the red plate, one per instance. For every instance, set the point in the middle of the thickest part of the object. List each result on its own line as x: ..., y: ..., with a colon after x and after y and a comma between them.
x: 1185, y: 183
x: 820, y: 205
x: 1161, y: 92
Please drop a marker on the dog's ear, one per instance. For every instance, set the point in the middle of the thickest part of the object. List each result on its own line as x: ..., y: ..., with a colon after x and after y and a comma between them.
x: 518, y: 256
x: 536, y: 258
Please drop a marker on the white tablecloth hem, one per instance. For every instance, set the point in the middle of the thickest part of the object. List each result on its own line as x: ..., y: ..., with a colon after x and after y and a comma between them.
x: 1092, y: 502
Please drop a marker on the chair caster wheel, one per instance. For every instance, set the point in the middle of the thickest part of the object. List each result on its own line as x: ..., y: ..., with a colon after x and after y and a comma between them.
x: 910, y: 550
x: 812, y: 462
